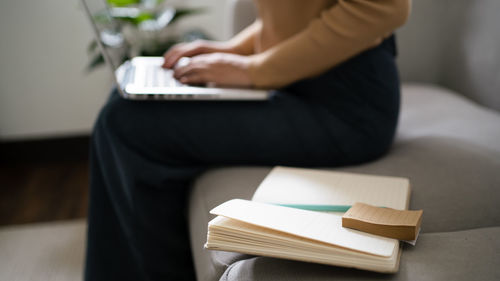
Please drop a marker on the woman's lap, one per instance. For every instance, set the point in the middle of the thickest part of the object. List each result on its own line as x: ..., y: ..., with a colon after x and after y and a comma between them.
x: 284, y: 128
x: 145, y: 153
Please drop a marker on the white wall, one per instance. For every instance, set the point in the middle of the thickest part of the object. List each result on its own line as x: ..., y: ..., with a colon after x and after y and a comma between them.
x: 44, y: 90
x: 213, y: 21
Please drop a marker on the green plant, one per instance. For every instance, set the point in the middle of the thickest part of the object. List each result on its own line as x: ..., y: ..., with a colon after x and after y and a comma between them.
x: 145, y: 27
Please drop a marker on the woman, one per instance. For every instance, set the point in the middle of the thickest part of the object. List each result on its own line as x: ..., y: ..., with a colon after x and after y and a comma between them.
x: 337, y: 103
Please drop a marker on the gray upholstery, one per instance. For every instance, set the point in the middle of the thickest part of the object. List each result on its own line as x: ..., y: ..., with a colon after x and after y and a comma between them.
x: 448, y: 145
x: 454, y: 43
x: 462, y: 255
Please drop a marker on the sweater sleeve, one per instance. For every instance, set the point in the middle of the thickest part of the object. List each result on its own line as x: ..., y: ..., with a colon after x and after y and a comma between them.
x: 342, y: 31
x: 244, y: 42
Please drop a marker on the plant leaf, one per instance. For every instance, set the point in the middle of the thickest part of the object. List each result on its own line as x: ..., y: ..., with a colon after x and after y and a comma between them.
x: 136, y: 19
x: 143, y: 16
x: 182, y: 12
x: 96, y: 61
x: 121, y: 3
x: 92, y: 46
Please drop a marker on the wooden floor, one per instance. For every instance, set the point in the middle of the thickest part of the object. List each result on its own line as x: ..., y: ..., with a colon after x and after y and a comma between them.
x: 43, y: 180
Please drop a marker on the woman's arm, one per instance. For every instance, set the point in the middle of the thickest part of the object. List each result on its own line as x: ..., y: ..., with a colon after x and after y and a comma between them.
x: 344, y: 30
x: 243, y: 43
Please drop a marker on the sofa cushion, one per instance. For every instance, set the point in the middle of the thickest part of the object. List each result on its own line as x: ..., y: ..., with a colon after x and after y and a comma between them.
x: 462, y: 255
x: 434, y: 111
x: 447, y: 146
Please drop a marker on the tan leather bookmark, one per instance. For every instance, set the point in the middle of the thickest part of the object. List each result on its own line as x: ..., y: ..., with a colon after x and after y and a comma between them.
x: 402, y: 225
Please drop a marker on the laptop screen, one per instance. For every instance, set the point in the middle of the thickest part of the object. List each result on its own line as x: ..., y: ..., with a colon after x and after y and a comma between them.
x: 107, y: 31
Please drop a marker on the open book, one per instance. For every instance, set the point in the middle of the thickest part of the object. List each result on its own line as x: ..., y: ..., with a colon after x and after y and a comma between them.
x: 267, y: 227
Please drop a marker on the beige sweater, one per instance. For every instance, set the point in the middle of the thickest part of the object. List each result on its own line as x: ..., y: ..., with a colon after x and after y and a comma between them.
x: 296, y: 39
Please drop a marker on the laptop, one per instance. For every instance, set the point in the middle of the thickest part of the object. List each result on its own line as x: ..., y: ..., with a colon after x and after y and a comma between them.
x: 143, y: 78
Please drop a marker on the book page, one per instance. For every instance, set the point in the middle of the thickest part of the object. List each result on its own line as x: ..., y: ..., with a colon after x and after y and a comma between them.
x: 317, y: 226
x: 297, y: 186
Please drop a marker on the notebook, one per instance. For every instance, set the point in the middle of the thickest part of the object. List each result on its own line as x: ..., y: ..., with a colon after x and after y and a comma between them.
x: 320, y: 190
x: 269, y: 226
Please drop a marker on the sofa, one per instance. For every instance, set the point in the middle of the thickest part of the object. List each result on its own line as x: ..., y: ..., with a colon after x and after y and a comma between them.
x: 447, y: 144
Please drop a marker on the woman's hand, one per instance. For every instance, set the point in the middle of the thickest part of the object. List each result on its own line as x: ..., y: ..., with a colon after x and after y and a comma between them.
x: 194, y: 48
x: 220, y: 69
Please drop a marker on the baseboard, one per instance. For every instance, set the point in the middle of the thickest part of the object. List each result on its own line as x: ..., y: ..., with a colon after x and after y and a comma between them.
x: 51, y: 149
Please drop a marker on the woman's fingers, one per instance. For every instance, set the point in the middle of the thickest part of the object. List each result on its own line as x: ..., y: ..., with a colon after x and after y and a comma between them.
x: 198, y: 70
x: 198, y: 64
x: 196, y: 78
x: 193, y: 74
x: 171, y: 61
x: 195, y: 48
x: 219, y: 68
x: 172, y: 56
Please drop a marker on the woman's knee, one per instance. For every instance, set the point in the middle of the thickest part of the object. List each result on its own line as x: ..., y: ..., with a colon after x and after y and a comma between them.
x: 114, y: 114
x: 137, y: 125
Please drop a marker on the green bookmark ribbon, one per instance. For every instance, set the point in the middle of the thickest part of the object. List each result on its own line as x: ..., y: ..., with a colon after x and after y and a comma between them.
x: 318, y: 208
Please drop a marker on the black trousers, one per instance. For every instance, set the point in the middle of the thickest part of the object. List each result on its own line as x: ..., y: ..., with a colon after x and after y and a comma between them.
x: 144, y: 155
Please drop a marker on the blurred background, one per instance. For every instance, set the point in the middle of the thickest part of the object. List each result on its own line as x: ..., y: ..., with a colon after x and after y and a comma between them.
x: 51, y: 92
x: 49, y: 99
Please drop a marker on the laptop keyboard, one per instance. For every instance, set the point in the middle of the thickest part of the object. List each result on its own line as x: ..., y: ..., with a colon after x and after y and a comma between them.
x: 159, y: 77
